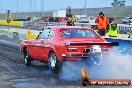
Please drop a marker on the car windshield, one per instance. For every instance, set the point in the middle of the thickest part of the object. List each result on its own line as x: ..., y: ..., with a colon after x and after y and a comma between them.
x: 78, y: 33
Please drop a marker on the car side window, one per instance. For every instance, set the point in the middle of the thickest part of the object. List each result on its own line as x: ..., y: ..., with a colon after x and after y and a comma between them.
x: 51, y: 34
x: 44, y: 35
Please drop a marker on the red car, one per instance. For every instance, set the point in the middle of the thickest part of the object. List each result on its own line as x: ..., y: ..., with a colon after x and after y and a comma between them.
x: 57, y: 44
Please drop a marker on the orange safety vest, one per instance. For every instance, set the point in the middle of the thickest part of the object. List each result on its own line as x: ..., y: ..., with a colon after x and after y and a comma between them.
x: 102, y: 23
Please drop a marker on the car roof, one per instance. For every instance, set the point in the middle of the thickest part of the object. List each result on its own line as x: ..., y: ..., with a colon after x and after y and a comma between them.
x: 67, y: 27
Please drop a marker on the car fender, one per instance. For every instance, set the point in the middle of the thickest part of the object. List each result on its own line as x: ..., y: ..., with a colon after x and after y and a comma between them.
x: 54, y: 49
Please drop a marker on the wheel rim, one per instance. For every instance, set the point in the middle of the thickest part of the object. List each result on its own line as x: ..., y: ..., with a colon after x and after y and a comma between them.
x: 26, y: 59
x: 97, y: 59
x: 52, y: 61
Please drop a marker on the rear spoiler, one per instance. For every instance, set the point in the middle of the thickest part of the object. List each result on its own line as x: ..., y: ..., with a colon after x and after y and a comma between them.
x: 77, y: 43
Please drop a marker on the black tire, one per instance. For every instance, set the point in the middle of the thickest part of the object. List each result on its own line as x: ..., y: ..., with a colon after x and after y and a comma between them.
x: 27, y: 58
x: 54, y: 63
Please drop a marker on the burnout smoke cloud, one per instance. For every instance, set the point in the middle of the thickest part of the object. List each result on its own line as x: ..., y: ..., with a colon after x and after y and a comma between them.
x: 114, y: 66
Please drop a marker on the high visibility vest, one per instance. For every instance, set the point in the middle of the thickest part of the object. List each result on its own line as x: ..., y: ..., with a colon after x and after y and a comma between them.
x: 75, y: 21
x: 102, y: 23
x: 113, y: 30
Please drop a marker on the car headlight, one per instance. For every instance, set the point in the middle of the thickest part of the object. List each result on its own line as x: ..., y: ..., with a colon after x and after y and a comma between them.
x: 96, y: 48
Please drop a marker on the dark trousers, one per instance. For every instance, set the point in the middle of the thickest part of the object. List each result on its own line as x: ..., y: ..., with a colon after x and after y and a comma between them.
x: 102, y: 32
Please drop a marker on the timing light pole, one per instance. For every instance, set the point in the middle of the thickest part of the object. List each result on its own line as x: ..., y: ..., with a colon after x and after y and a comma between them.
x: 8, y: 17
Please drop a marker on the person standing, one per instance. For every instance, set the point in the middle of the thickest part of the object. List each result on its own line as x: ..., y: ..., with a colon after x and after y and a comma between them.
x: 70, y: 22
x: 74, y: 19
x: 102, y: 23
x: 112, y: 28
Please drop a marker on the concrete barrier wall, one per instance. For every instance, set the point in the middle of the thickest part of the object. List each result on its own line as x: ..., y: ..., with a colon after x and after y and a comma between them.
x: 19, y: 34
x: 123, y: 29
x: 12, y: 23
x: 24, y: 34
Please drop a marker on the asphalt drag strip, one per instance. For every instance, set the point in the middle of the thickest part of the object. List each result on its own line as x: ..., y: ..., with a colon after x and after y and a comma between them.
x: 14, y: 73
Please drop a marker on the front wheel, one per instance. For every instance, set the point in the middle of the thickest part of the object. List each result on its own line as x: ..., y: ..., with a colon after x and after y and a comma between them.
x: 27, y: 58
x: 54, y: 63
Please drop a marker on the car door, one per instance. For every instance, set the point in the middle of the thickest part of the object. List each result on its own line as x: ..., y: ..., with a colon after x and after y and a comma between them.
x: 47, y: 45
x: 43, y: 41
x: 32, y: 48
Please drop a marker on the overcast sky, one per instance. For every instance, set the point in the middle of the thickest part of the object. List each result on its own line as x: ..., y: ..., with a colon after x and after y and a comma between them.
x: 36, y: 5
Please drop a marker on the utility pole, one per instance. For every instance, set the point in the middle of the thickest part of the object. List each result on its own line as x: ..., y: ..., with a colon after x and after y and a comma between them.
x: 85, y: 11
x: 31, y: 6
x: 17, y: 9
x: 35, y: 6
x: 0, y: 7
x: 42, y: 8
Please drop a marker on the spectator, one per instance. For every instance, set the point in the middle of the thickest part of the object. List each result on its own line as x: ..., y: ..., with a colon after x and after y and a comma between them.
x: 112, y: 28
x: 102, y: 22
x: 70, y: 22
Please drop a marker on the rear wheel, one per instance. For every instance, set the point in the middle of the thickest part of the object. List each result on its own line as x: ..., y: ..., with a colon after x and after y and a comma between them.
x: 54, y: 63
x: 27, y: 58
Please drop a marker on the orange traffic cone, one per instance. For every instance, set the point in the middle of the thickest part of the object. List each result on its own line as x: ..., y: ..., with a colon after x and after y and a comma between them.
x: 29, y: 31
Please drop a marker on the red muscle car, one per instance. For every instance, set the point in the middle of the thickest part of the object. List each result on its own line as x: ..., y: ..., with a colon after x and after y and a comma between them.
x: 61, y: 43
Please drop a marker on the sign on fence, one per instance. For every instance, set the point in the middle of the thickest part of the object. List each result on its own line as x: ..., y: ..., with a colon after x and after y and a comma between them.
x: 124, y: 29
